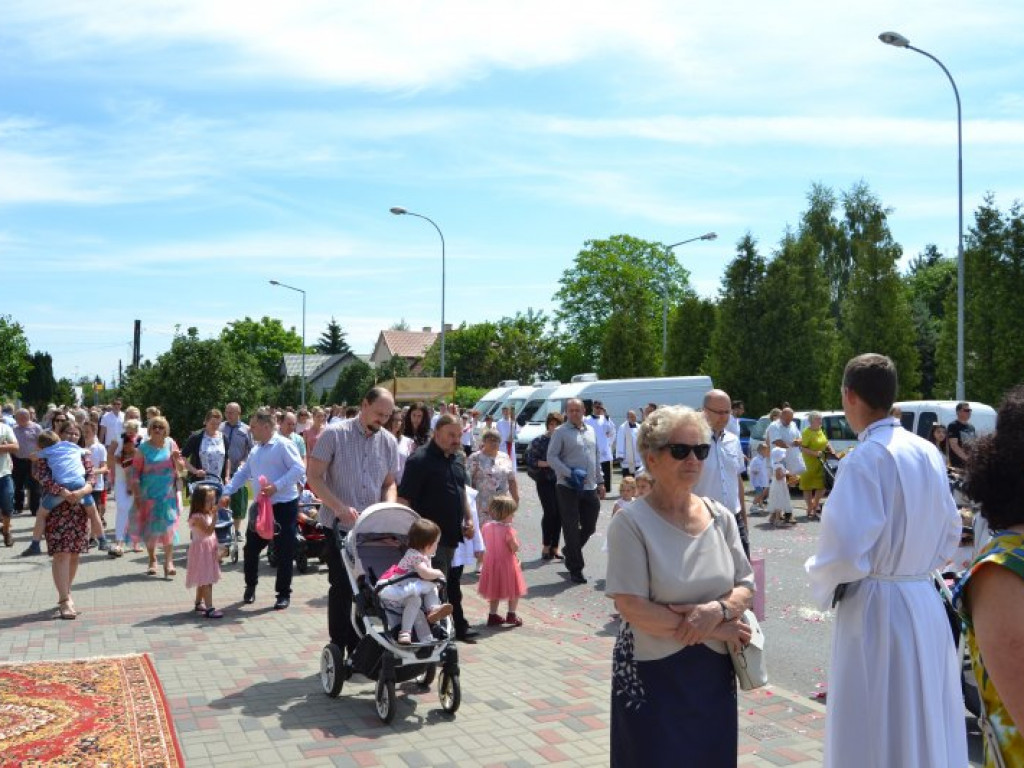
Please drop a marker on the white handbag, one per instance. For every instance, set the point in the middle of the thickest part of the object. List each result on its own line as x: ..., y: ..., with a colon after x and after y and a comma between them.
x: 751, y: 671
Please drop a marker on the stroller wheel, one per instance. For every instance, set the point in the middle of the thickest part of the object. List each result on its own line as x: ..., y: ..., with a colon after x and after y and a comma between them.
x: 234, y: 553
x: 386, y: 703
x: 450, y: 692
x: 332, y: 671
x: 425, y: 679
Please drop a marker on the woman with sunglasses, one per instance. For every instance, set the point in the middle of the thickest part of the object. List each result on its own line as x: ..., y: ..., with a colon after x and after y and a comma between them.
x: 680, y: 580
x: 155, y: 489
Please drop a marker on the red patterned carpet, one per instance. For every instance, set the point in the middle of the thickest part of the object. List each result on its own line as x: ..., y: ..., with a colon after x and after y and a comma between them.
x: 85, y: 712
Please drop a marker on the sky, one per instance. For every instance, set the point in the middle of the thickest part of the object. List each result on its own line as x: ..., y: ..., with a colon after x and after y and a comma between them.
x: 163, y: 160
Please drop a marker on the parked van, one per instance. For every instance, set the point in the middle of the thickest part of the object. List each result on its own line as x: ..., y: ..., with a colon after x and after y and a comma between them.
x: 618, y: 397
x: 919, y: 415
x: 838, y: 431
x: 492, y: 401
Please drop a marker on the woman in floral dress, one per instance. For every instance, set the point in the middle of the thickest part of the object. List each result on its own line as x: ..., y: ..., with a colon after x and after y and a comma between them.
x: 491, y: 472
x: 155, y: 488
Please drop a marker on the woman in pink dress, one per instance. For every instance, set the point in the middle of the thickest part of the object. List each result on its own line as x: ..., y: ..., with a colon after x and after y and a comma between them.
x: 502, y: 578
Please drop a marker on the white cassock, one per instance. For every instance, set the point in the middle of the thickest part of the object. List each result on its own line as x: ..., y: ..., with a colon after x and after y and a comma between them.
x: 508, y: 429
x: 625, y: 447
x: 894, y: 698
x: 604, y: 431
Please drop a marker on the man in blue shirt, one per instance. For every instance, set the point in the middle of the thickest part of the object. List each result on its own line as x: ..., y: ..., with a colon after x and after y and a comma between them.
x: 277, y: 459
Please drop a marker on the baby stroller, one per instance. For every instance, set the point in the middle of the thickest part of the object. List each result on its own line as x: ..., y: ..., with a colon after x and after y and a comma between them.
x: 224, y: 526
x: 310, y: 539
x: 376, y: 542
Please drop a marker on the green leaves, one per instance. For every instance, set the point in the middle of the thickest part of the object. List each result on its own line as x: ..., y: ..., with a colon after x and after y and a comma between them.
x: 14, y: 359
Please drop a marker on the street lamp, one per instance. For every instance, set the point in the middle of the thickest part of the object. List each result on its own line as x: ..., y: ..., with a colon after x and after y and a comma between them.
x: 664, y: 297
x: 898, y: 40
x: 299, y: 290
x: 399, y: 211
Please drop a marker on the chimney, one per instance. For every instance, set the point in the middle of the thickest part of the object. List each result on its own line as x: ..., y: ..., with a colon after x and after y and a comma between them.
x: 426, y: 329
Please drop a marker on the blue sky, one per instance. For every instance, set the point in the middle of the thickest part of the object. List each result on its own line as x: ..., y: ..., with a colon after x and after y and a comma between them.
x: 165, y: 160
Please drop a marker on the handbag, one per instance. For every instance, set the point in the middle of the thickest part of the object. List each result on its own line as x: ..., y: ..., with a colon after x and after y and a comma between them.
x: 748, y: 662
x: 264, y: 514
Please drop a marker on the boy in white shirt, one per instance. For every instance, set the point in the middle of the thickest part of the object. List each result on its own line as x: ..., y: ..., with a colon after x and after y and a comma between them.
x: 760, y: 476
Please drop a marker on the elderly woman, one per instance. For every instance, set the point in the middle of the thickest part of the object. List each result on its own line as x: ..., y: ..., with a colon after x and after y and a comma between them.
x: 991, y: 593
x: 680, y: 580
x: 491, y: 472
x: 545, y: 479
x: 155, y: 488
x: 815, y: 447
x: 67, y: 525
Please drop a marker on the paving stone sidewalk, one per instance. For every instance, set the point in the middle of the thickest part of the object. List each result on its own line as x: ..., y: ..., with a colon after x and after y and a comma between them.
x: 245, y: 691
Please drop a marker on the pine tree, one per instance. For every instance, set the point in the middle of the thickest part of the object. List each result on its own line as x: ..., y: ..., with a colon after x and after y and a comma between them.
x: 332, y: 341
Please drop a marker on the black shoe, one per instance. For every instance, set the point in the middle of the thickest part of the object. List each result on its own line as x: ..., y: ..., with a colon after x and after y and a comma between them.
x: 467, y: 636
x: 577, y: 578
x: 249, y: 596
x: 282, y: 603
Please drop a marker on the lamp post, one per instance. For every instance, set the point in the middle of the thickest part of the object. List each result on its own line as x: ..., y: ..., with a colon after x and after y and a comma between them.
x: 664, y: 298
x: 299, y: 290
x: 399, y: 211
x: 899, y: 41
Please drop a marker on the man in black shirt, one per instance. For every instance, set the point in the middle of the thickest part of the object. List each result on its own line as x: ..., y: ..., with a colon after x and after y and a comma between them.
x: 959, y: 435
x: 434, y: 485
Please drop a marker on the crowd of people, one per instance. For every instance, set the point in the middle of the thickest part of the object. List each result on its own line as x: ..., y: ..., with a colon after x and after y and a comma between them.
x: 678, y: 571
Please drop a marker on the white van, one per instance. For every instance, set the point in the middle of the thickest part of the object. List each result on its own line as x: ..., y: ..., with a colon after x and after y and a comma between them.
x: 919, y: 415
x: 618, y: 397
x: 492, y: 401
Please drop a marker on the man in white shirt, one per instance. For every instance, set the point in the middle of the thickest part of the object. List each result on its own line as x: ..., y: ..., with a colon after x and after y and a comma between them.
x: 111, y: 424
x: 604, y: 431
x: 277, y: 458
x: 625, y: 446
x: 894, y: 695
x: 721, y: 477
x: 508, y: 429
x: 784, y: 433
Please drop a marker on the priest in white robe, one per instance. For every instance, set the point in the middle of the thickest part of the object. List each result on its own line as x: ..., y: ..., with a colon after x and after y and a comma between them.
x: 625, y: 446
x: 508, y: 429
x: 894, y: 696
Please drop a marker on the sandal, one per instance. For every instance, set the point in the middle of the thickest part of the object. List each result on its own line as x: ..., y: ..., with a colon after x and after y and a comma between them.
x: 170, y: 572
x: 65, y: 611
x: 557, y: 555
x: 200, y: 608
x: 494, y: 620
x: 513, y: 620
x: 441, y: 612
x: 213, y: 613
x: 405, y: 638
x: 151, y: 571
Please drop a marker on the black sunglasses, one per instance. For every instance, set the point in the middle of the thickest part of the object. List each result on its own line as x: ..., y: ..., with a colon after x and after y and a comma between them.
x: 680, y: 451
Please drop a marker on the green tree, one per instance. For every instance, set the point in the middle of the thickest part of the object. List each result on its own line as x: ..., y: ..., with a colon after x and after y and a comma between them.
x: 471, y: 352
x: 266, y: 340
x: 332, y: 340
x: 193, y: 376
x: 691, y: 324
x: 738, y: 355
x: 40, y: 385
x: 353, y: 382
x: 401, y: 325
x: 930, y: 279
x: 819, y: 223
x: 799, y: 339
x: 64, y: 392
x: 526, y: 348
x: 628, y: 349
x: 622, y: 276
x: 876, y: 314
x: 395, y: 368
x: 15, y: 363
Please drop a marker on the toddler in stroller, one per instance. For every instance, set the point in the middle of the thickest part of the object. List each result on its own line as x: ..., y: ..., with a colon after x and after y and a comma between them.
x: 409, y: 588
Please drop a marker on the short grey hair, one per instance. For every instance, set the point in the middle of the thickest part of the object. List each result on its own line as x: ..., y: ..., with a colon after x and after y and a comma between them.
x: 490, y: 434
x: 813, y: 415
x: 264, y: 416
x: 656, y: 428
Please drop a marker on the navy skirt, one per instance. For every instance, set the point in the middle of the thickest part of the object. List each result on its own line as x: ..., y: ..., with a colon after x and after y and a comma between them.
x: 679, y: 711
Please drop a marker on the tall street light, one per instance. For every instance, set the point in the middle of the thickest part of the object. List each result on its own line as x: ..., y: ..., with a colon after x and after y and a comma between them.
x: 898, y: 40
x: 299, y: 290
x: 398, y: 211
x: 664, y: 297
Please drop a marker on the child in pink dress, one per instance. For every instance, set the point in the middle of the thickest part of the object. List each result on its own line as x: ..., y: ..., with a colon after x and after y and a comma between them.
x: 502, y: 578
x: 203, y: 558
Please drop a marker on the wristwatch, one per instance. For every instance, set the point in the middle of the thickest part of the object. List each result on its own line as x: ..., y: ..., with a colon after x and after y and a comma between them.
x: 726, y: 613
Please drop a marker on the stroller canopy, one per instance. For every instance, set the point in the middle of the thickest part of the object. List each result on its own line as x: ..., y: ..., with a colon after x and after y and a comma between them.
x: 386, y: 524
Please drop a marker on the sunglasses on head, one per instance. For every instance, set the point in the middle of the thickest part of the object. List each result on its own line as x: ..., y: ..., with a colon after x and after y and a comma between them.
x: 680, y: 451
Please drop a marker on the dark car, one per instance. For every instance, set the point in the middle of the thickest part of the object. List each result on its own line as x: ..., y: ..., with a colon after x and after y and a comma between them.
x: 745, y: 426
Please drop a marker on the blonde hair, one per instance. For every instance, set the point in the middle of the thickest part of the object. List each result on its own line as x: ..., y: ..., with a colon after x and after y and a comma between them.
x: 502, y: 507
x: 656, y: 428
x: 628, y: 482
x: 644, y: 475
